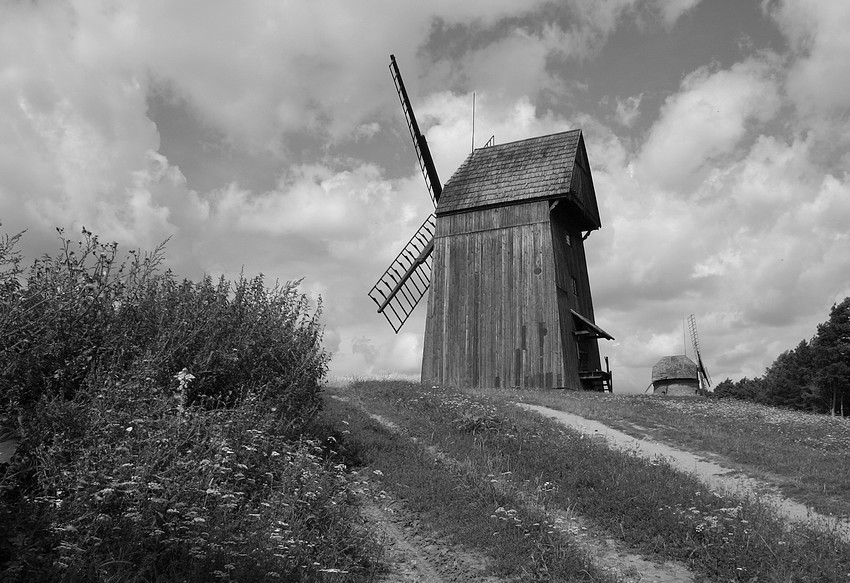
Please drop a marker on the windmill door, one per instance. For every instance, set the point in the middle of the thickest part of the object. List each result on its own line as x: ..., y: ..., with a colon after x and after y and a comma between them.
x: 583, y: 348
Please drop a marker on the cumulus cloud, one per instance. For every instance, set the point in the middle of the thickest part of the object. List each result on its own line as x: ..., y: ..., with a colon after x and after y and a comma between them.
x: 627, y: 110
x: 706, y: 121
x: 819, y: 78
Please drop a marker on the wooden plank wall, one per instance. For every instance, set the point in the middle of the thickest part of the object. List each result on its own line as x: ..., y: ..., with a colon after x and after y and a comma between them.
x: 493, y: 311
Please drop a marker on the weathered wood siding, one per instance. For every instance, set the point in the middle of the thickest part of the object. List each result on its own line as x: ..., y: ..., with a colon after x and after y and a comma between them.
x: 493, y: 307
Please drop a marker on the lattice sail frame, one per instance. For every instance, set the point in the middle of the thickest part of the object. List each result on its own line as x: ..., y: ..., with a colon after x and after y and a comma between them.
x: 406, y: 280
x: 701, y: 370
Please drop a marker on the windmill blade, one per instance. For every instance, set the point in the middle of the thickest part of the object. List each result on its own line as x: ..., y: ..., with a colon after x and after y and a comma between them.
x: 423, y: 153
x: 692, y: 325
x: 407, y: 279
x: 702, y: 370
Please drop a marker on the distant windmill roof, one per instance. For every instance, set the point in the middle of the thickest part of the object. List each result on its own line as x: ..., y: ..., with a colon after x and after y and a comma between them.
x: 546, y: 167
x: 674, y: 367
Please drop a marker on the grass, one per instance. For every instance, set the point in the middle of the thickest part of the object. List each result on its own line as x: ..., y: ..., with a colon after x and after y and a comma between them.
x: 464, y: 505
x: 806, y: 455
x: 646, y: 504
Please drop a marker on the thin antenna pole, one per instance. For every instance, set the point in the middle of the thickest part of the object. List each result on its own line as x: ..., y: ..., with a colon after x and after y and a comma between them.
x: 684, y: 342
x: 473, y: 122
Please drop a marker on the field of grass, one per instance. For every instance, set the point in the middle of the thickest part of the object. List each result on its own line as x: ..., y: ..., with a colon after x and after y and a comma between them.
x: 645, y: 504
x: 806, y: 455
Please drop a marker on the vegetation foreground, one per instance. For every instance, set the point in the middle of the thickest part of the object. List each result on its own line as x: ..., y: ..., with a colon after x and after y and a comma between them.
x: 167, y: 428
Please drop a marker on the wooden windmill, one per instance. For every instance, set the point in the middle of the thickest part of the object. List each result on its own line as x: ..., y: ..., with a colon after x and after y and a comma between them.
x: 510, y: 302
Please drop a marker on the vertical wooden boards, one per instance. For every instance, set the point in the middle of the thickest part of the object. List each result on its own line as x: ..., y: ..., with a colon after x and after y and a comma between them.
x: 493, y: 308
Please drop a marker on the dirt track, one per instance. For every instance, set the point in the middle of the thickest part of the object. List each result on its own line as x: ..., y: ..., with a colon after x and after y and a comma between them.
x: 416, y: 554
x: 419, y: 556
x: 713, y: 474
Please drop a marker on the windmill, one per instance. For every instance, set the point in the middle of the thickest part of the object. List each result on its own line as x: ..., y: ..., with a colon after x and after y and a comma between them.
x: 406, y: 280
x: 704, y: 378
x: 503, y: 255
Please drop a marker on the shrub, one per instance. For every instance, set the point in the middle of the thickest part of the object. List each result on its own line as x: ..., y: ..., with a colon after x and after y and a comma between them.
x: 161, y: 426
x: 83, y: 318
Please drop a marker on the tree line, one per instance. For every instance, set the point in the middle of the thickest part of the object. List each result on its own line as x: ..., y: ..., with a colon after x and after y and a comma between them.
x: 813, y: 376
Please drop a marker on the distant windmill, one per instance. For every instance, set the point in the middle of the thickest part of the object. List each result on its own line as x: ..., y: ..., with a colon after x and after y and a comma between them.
x: 678, y: 375
x: 504, y: 255
x: 704, y: 378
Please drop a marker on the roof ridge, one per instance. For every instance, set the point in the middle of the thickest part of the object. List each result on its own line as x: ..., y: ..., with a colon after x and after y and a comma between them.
x: 527, y: 140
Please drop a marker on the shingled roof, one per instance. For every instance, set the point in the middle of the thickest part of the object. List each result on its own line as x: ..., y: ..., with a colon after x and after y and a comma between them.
x: 674, y: 367
x: 532, y: 169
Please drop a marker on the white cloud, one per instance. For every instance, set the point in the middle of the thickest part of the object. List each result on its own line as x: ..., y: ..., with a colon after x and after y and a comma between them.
x: 627, y: 110
x: 672, y: 10
x: 819, y: 31
x: 706, y: 121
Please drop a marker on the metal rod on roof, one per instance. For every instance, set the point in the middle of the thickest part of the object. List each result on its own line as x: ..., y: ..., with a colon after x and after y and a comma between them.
x: 473, y: 122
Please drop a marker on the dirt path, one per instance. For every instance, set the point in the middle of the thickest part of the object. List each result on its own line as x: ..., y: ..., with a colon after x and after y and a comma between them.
x: 414, y: 553
x: 427, y: 560
x: 711, y: 473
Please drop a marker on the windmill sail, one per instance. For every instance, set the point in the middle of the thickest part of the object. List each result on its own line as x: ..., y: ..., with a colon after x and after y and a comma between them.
x: 701, y: 370
x: 407, y: 278
x: 423, y: 153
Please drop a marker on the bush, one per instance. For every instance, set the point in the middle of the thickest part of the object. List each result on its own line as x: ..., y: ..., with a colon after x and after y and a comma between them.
x: 83, y: 319
x: 161, y: 426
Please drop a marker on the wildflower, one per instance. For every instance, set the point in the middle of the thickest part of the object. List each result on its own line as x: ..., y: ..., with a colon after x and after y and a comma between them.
x: 184, y: 377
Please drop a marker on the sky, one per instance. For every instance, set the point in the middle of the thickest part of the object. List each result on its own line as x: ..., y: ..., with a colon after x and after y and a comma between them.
x: 266, y: 136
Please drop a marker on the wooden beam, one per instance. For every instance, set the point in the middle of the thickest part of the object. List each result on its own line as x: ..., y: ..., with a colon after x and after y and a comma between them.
x: 419, y: 261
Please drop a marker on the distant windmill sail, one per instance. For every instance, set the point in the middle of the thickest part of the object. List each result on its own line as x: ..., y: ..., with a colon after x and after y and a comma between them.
x: 702, y: 371
x: 406, y: 280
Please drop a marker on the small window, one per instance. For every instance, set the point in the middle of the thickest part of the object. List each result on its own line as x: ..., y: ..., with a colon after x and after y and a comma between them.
x: 574, y: 284
x: 568, y: 239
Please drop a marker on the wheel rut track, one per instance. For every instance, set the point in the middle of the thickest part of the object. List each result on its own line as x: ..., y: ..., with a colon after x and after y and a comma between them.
x: 418, y: 556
